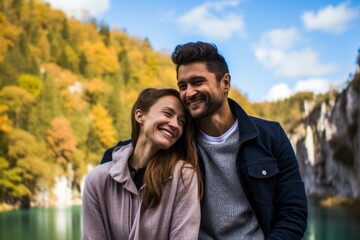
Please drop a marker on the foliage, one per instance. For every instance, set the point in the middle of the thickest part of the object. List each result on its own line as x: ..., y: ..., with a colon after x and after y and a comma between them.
x: 19, y: 102
x: 288, y: 111
x: 66, y: 92
x: 11, y: 186
x: 5, y: 123
x: 94, y: 90
x: 31, y: 83
x: 103, y: 126
x: 27, y: 160
x: 8, y: 34
x: 61, y: 141
x: 242, y: 100
x: 100, y: 59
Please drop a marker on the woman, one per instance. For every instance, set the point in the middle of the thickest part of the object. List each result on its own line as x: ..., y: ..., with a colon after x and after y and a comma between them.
x: 152, y: 188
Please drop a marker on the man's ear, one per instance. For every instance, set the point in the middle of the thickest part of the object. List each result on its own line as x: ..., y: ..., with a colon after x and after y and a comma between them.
x: 226, y: 80
x: 138, y: 116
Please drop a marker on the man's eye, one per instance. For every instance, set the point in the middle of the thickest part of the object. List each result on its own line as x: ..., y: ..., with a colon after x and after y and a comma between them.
x: 182, y: 87
x: 197, y: 83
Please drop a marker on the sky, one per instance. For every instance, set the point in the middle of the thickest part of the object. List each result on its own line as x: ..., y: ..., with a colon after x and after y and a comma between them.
x: 273, y: 48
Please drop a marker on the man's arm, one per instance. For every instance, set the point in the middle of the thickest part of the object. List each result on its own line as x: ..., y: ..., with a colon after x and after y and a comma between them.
x: 290, y: 200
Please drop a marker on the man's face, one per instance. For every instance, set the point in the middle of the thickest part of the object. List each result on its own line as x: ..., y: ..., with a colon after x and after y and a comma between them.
x: 199, y: 90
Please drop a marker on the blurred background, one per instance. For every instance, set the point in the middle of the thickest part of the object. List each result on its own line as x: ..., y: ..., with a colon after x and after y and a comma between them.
x: 71, y: 70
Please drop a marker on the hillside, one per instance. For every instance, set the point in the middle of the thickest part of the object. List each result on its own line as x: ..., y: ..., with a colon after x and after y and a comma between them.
x: 66, y: 90
x: 67, y: 87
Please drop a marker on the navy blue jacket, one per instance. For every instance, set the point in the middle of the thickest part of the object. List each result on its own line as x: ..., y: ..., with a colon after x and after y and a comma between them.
x: 269, y: 175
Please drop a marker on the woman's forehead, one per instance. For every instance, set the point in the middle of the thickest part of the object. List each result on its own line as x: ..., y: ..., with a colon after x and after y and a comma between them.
x: 171, y: 102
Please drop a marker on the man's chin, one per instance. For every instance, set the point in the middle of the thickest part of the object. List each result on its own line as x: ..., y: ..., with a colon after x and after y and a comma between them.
x: 196, y: 114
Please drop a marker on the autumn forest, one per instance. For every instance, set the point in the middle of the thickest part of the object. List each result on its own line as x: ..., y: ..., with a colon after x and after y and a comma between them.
x: 66, y: 90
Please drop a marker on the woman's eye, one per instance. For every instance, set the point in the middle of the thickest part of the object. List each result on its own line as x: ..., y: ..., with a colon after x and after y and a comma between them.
x: 181, y: 122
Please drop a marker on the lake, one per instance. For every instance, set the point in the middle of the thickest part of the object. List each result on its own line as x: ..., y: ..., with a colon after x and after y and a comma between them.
x: 65, y: 224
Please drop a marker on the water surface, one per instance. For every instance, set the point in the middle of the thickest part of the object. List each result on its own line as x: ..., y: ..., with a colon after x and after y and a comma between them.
x: 65, y: 224
x: 41, y: 224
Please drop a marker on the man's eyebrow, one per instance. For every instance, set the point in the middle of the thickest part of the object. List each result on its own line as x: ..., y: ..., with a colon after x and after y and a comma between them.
x: 191, y: 79
x: 180, y: 82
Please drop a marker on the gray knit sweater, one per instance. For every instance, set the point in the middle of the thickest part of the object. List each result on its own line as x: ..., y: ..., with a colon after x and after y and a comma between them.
x: 226, y: 213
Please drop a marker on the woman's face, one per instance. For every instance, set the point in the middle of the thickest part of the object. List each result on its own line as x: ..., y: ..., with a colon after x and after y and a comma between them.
x: 163, y: 124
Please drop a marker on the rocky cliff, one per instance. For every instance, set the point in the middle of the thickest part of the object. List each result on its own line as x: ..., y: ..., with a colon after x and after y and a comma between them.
x: 327, y: 143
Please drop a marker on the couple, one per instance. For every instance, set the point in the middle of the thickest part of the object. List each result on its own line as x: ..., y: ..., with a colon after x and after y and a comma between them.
x: 243, y: 174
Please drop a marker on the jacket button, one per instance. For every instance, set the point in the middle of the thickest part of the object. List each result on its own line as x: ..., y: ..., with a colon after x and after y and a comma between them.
x: 263, y: 172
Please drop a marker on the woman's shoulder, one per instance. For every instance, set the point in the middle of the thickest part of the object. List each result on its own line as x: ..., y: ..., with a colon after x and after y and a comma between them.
x: 184, y: 169
x: 182, y: 164
x: 99, y: 172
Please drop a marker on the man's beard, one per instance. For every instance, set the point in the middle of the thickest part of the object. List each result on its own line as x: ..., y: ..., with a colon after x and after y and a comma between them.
x: 211, y: 105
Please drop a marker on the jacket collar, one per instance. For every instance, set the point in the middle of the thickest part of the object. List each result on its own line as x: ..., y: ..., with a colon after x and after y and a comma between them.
x: 247, y: 128
x: 120, y: 169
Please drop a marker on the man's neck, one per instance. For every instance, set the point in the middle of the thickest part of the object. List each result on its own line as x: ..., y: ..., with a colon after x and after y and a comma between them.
x: 219, y: 122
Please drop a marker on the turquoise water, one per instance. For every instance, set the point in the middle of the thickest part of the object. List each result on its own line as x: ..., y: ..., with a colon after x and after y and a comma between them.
x: 65, y: 224
x: 335, y: 223
x: 41, y: 224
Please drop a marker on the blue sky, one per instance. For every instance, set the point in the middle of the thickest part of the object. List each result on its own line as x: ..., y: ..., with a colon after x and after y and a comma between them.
x: 273, y: 48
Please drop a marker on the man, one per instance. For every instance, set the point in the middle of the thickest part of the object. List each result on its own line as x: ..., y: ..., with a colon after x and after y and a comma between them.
x: 253, y: 188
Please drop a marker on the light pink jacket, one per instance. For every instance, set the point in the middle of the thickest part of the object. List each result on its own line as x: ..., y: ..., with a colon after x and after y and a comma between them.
x: 111, y: 204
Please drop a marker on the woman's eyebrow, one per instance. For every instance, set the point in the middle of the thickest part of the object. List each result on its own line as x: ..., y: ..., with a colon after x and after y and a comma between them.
x: 169, y: 109
x: 181, y: 114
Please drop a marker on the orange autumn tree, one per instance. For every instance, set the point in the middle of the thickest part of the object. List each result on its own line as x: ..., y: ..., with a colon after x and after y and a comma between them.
x: 61, y: 140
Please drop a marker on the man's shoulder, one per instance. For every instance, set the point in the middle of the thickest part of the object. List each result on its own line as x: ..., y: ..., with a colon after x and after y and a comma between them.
x: 107, y: 157
x: 265, y: 125
x: 263, y: 121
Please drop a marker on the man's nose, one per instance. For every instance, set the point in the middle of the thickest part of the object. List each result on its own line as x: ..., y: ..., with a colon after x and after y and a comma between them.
x: 190, y: 91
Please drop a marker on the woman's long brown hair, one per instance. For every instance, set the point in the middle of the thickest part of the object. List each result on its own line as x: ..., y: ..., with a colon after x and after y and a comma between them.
x: 161, y: 165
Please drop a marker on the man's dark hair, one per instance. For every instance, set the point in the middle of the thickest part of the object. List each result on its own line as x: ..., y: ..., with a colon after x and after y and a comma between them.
x: 200, y: 52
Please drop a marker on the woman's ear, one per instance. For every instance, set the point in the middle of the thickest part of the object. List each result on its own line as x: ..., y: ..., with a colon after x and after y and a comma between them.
x: 138, y: 116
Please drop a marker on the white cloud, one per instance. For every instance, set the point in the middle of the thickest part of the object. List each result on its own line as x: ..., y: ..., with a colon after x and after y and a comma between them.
x: 330, y: 19
x: 278, y: 92
x: 81, y: 9
x: 211, y: 21
x: 302, y: 63
x: 276, y: 51
x: 282, y: 90
x: 315, y: 85
x: 280, y: 38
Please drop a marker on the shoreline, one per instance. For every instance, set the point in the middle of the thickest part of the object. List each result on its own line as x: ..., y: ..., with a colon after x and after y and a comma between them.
x: 352, y: 205
x: 7, y: 207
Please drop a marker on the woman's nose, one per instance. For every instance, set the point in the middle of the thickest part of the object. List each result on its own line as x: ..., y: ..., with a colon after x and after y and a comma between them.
x: 174, y: 122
